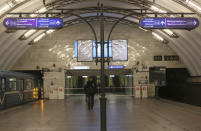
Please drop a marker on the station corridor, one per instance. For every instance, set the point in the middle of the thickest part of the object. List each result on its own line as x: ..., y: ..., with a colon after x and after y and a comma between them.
x: 124, y: 114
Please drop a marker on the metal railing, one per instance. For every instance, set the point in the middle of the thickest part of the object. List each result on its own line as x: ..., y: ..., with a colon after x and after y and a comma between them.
x: 116, y: 91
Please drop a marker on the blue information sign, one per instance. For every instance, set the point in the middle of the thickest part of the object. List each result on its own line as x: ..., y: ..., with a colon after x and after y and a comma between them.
x: 116, y: 67
x: 33, y: 23
x: 169, y: 23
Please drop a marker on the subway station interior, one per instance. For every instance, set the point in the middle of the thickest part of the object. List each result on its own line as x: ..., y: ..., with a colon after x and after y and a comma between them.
x: 144, y: 57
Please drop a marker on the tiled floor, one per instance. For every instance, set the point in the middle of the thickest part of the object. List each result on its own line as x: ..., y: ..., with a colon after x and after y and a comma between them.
x: 124, y: 114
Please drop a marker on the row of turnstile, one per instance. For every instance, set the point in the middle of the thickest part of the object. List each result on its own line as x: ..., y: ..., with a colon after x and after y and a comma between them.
x: 54, y: 88
x: 139, y: 91
x: 144, y: 91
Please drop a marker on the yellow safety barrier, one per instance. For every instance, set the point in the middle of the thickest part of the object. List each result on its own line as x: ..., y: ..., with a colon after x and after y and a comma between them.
x: 35, y: 93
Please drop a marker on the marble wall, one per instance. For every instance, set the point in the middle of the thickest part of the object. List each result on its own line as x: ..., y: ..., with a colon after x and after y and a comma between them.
x: 58, y: 48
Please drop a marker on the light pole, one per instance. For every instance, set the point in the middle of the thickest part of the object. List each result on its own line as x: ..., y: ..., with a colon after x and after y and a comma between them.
x: 103, y: 99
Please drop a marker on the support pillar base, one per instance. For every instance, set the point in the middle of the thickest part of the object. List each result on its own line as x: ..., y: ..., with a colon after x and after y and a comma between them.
x: 103, y: 112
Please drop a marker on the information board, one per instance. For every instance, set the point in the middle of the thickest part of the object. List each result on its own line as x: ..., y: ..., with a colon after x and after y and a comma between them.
x: 119, y: 50
x: 84, y: 50
x: 33, y: 23
x: 169, y: 23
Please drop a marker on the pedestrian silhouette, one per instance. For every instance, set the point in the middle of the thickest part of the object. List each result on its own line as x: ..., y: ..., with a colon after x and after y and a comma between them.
x: 90, y: 90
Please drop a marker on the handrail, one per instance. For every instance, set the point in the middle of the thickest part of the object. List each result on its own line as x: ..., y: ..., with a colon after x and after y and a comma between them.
x: 99, y: 88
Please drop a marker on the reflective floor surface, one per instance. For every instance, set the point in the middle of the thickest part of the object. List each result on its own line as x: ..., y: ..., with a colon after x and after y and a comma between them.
x: 123, y: 113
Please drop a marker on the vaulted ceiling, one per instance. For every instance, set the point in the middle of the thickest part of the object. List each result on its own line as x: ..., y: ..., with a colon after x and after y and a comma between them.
x: 187, y: 44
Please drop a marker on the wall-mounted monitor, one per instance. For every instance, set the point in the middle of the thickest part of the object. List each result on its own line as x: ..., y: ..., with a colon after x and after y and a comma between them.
x: 98, y: 49
x: 84, y: 50
x: 119, y: 50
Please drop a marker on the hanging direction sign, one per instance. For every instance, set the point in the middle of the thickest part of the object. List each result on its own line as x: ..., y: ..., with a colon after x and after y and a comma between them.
x: 33, y: 23
x: 169, y: 23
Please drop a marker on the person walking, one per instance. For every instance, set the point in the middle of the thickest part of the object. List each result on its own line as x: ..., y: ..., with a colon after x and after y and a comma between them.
x: 90, y: 90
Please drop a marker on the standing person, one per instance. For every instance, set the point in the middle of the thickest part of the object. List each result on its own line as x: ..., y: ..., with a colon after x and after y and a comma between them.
x: 90, y: 92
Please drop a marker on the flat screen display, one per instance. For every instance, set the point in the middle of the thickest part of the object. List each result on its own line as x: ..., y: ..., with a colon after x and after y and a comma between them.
x: 119, y: 50
x: 84, y: 50
x: 98, y: 50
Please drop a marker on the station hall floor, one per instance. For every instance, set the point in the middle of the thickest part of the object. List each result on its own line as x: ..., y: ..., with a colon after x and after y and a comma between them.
x: 124, y: 114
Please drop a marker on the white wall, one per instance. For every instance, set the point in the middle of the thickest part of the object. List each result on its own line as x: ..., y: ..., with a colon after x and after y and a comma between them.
x: 54, y: 84
x: 58, y: 48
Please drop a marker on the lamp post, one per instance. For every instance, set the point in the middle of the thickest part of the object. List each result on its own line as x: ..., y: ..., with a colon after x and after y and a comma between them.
x: 102, y: 97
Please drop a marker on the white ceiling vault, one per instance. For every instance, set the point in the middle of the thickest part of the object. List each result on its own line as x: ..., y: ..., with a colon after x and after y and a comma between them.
x: 187, y: 45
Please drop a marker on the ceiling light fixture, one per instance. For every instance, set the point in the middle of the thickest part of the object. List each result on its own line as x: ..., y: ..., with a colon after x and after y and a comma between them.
x: 19, y: 1
x: 29, y: 33
x: 39, y: 37
x: 5, y: 8
x: 157, y: 9
x: 42, y: 10
x: 50, y: 31
x: 157, y: 36
x: 193, y: 5
x: 170, y: 33
x: 143, y: 29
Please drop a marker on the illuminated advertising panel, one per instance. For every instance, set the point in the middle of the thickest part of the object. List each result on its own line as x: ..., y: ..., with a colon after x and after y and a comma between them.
x: 84, y: 50
x: 119, y: 50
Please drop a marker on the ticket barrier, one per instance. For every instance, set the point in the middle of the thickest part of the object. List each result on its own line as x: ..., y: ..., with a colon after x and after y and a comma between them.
x: 41, y: 93
x: 142, y: 91
x: 60, y: 93
x: 38, y: 93
x: 35, y: 93
x: 56, y: 93
x: 137, y: 92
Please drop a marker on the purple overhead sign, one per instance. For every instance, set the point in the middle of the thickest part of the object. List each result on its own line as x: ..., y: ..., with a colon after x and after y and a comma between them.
x: 33, y: 23
x: 169, y: 23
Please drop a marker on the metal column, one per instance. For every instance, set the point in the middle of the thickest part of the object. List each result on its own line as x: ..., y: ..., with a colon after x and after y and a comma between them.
x: 102, y: 98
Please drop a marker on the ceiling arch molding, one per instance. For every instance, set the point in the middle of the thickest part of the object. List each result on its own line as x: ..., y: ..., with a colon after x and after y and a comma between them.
x: 14, y: 55
x: 6, y: 45
x: 21, y: 46
x: 182, y: 52
x: 193, y: 53
x: 186, y: 58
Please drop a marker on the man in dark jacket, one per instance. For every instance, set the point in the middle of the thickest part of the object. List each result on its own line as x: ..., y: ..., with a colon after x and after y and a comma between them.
x: 90, y: 90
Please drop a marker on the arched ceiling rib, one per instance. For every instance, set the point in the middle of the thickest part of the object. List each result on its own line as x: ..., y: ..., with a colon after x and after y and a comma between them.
x: 181, y: 45
x: 187, y: 46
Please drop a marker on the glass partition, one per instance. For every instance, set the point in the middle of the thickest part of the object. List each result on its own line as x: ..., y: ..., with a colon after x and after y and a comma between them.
x: 114, y: 84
